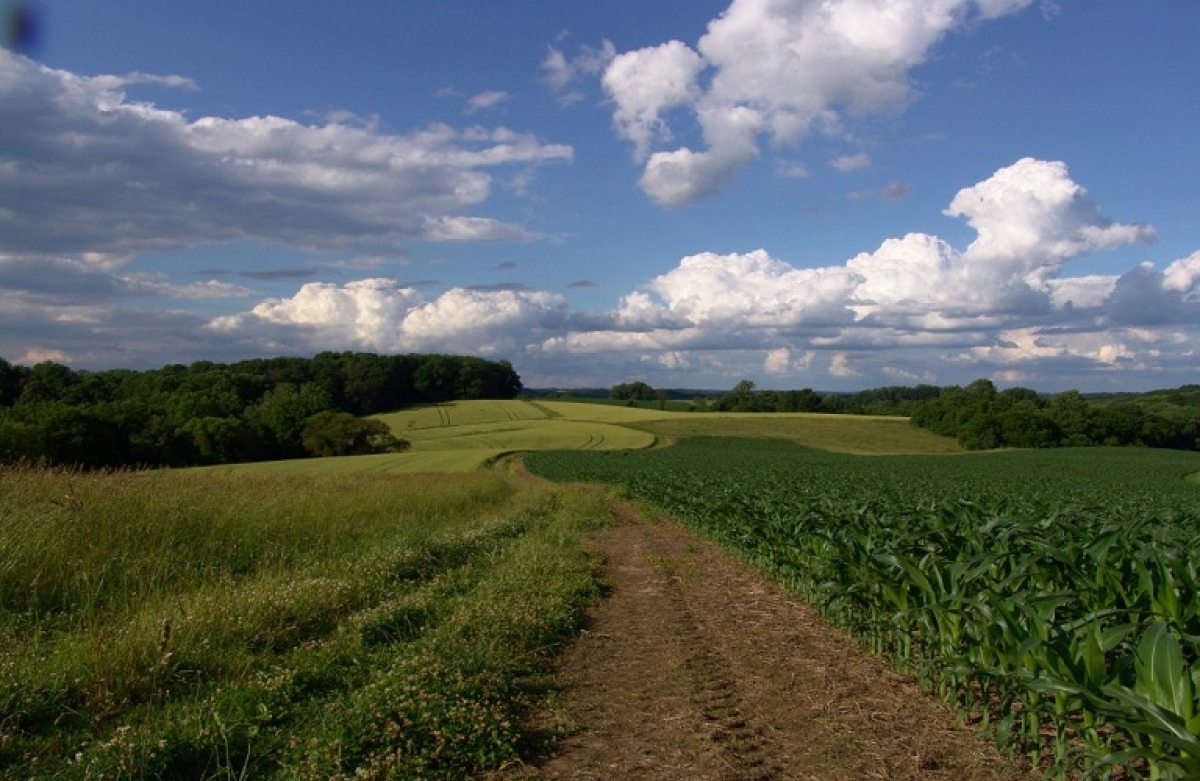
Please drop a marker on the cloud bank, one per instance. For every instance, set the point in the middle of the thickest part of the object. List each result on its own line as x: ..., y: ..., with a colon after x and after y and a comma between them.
x: 86, y: 171
x: 813, y: 65
x: 999, y: 306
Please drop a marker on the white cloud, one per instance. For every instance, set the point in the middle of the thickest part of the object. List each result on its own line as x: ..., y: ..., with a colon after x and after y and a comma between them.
x: 77, y: 157
x: 683, y: 176
x: 487, y: 100
x: 784, y: 361
x: 847, y: 163
x: 778, y: 361
x: 673, y: 359
x: 1030, y: 219
x: 449, y: 228
x: 919, y: 292
x: 1032, y: 215
x: 917, y: 307
x: 1085, y: 292
x: 645, y: 83
x: 1183, y: 277
x: 377, y: 314
x: 559, y: 71
x: 999, y: 305
x: 36, y: 356
x: 785, y: 69
x: 839, y: 366
x: 209, y: 288
x: 752, y: 290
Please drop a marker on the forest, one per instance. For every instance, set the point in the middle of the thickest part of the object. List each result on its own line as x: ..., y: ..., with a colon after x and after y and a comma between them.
x: 212, y: 413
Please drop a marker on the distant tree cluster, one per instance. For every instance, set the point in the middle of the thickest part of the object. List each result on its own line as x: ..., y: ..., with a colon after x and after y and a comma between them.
x: 893, y: 400
x: 209, y: 413
x: 981, y: 417
x: 632, y: 391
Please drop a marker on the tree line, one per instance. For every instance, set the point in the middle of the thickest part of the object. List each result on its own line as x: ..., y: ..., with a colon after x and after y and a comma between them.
x: 981, y: 417
x: 211, y: 413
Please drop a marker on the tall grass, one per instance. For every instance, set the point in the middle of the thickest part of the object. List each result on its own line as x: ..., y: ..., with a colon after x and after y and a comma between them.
x: 194, y: 624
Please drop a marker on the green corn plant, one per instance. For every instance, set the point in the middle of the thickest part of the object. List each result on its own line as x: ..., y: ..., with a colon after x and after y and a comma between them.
x: 1160, y: 711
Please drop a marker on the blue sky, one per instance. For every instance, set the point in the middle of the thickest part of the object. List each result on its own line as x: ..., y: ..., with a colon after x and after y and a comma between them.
x: 834, y: 195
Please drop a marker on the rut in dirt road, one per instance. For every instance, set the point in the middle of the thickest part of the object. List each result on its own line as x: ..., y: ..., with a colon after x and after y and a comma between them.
x: 696, y: 668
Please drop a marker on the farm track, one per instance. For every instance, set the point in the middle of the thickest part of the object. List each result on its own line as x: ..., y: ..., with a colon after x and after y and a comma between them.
x: 545, y: 412
x: 696, y: 668
x: 594, y: 441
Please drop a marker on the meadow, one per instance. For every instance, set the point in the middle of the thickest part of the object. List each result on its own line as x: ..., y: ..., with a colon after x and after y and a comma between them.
x: 1053, y: 596
x: 187, y: 624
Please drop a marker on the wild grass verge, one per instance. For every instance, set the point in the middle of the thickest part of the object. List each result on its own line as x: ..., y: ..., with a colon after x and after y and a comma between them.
x: 199, y: 625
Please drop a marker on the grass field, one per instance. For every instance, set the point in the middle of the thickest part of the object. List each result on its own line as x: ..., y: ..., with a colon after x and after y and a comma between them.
x: 191, y: 624
x: 856, y: 434
x: 465, y: 435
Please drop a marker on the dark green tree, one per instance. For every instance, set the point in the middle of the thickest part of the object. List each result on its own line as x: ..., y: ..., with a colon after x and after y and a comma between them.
x: 283, y: 413
x: 342, y: 434
x: 631, y: 391
x: 46, y: 382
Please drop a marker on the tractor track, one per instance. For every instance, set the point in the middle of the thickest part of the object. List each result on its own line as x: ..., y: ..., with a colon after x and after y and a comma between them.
x: 695, y: 667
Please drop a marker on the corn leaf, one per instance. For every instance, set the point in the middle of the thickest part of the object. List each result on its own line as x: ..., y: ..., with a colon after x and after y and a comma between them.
x: 1162, y: 674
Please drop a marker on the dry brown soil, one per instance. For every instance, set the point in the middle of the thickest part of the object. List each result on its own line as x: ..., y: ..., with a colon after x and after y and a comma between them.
x: 695, y: 667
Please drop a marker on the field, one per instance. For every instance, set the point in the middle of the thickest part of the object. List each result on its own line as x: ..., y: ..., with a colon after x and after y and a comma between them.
x: 397, y: 615
x: 1053, y: 595
x: 861, y: 435
x: 191, y: 624
x: 465, y: 435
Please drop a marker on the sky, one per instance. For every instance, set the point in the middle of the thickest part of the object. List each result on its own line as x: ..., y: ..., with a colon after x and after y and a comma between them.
x: 835, y: 195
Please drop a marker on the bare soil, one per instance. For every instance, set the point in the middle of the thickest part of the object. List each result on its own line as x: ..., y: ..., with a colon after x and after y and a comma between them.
x: 695, y: 667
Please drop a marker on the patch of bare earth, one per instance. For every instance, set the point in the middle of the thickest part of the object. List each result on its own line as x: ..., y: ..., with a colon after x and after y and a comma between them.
x: 695, y: 667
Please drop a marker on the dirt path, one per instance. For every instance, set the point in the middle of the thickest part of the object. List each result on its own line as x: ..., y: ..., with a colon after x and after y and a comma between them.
x: 696, y: 668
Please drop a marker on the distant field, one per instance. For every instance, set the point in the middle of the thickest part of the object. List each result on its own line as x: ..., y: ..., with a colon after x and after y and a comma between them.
x: 464, y: 435
x: 858, y: 434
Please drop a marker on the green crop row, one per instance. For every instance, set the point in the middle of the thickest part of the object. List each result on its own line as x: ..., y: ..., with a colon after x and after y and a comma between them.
x: 1053, y: 596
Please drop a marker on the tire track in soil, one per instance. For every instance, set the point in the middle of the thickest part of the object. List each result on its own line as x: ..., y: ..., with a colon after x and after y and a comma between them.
x: 738, y: 741
x: 696, y: 668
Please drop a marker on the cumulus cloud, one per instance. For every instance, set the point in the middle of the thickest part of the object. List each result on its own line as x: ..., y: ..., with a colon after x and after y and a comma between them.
x: 751, y: 290
x: 840, y: 366
x: 814, y: 64
x: 917, y: 307
x: 644, y: 84
x: 85, y: 169
x: 919, y: 292
x: 1034, y: 216
x: 1030, y: 218
x: 1183, y: 277
x: 784, y: 361
x: 379, y: 315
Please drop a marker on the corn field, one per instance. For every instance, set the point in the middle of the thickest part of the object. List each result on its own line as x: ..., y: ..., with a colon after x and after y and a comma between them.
x: 1051, y: 595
